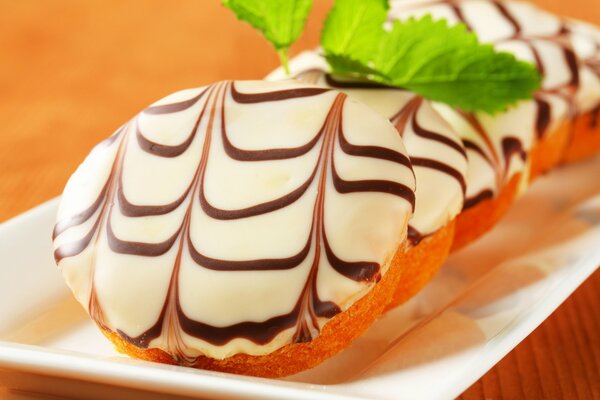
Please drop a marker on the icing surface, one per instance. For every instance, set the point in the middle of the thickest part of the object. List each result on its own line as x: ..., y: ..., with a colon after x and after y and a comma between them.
x: 234, y: 218
x: 436, y: 152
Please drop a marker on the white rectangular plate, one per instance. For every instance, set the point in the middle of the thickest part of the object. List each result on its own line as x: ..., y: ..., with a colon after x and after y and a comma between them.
x: 485, y: 300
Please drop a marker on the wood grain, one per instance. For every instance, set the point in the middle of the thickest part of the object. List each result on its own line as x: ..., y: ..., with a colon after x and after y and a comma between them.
x: 71, y: 71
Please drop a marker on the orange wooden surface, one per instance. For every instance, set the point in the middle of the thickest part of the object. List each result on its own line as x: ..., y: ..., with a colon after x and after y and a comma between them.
x: 71, y: 71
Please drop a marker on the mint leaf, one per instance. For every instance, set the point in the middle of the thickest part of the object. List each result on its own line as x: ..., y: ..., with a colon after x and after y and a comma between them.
x: 439, y: 62
x: 280, y: 21
x: 448, y: 64
x: 352, y: 31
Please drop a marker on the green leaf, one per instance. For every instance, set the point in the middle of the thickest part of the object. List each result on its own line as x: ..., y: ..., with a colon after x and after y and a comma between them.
x: 439, y: 62
x: 280, y: 21
x: 352, y: 31
x: 448, y: 64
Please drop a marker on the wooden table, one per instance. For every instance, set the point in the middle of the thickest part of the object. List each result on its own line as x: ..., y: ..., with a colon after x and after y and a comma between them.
x: 71, y: 71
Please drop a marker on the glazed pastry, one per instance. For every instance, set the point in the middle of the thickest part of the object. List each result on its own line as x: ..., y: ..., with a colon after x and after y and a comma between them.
x: 532, y: 137
x: 585, y: 136
x: 491, y: 165
x: 439, y: 161
x: 251, y: 227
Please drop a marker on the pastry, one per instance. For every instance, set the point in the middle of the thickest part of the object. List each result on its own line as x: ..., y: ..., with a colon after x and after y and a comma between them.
x: 585, y: 136
x: 251, y: 227
x: 530, y: 138
x: 479, y: 150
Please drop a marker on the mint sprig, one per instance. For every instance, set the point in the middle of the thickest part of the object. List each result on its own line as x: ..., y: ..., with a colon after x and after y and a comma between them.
x: 439, y: 62
x: 280, y: 21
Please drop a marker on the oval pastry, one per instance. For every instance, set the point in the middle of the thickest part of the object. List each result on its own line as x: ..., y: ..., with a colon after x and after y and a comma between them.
x: 246, y: 226
x: 509, y: 149
x: 585, y: 137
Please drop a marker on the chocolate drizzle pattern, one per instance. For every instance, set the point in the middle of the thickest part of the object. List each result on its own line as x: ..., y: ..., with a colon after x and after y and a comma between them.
x: 174, y: 325
x: 408, y: 115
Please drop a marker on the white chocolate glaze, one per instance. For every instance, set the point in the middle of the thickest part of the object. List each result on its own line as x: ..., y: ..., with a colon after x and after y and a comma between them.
x: 234, y: 218
x: 436, y: 152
